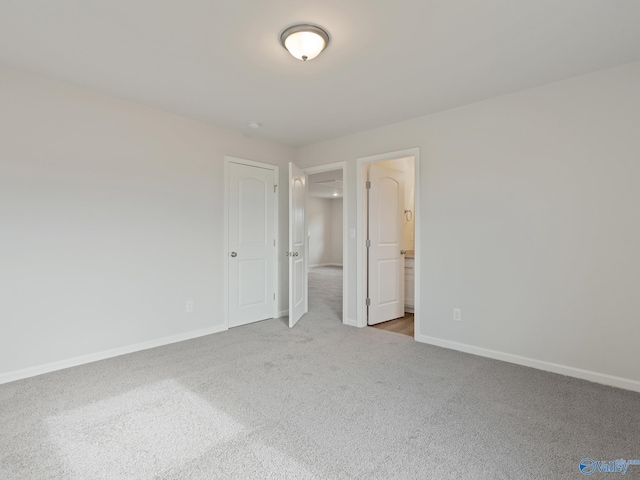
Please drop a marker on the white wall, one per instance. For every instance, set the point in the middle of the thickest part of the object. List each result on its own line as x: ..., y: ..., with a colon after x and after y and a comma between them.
x: 324, y: 218
x: 111, y: 217
x: 319, y: 225
x: 529, y: 208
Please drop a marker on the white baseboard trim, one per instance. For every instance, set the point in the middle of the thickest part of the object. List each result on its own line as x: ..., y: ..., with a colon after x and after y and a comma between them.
x: 115, y: 352
x: 408, y: 309
x: 352, y: 322
x: 326, y: 265
x: 283, y: 313
x: 596, y: 377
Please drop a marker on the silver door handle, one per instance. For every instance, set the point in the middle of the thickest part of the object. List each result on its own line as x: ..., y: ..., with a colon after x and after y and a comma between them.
x: 234, y: 254
x: 403, y: 252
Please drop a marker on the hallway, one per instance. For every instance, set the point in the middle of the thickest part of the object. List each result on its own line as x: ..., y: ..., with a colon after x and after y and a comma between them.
x: 325, y: 292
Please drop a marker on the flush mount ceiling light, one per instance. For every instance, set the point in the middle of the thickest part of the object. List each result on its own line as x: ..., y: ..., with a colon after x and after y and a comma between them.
x: 305, y: 42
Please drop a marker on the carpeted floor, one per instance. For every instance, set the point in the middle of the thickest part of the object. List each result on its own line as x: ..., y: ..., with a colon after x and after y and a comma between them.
x: 325, y: 291
x: 319, y: 401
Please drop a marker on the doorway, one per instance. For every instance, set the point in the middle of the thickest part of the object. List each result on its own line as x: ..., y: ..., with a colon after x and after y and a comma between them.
x: 326, y: 245
x: 251, y: 223
x: 388, y: 241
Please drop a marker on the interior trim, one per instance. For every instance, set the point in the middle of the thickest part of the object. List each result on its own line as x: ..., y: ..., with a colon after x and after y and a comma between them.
x: 602, y: 378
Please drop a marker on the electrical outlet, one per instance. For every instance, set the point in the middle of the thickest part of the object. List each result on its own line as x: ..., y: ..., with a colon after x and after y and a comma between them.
x: 457, y: 314
x: 188, y: 306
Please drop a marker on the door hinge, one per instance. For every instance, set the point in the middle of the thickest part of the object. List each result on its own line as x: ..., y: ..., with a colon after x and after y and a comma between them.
x: 368, y: 244
x: 368, y: 185
x: 368, y: 302
x: 275, y: 188
x: 274, y: 242
x: 274, y: 296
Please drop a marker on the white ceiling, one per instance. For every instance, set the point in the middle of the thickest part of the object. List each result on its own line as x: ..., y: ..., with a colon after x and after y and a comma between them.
x: 388, y: 61
x: 325, y: 184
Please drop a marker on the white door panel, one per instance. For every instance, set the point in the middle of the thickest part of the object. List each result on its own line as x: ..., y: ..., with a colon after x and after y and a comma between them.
x: 389, y: 287
x: 298, y: 291
x: 252, y: 233
x: 386, y: 229
x: 251, y: 276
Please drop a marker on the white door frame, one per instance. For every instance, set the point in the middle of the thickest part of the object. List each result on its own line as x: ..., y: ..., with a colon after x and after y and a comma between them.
x: 345, y: 234
x: 276, y: 277
x: 361, y: 251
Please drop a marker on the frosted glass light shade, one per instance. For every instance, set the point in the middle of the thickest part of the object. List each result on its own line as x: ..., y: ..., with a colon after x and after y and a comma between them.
x: 304, y: 42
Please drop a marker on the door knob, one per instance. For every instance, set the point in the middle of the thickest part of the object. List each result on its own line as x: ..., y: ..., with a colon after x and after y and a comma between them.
x: 403, y: 252
x: 234, y: 254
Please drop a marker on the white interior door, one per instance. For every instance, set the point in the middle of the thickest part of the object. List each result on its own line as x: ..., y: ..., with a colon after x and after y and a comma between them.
x: 252, y: 234
x: 298, y: 291
x: 386, y: 232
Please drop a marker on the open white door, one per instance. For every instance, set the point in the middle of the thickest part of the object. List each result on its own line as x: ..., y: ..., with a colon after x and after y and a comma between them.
x: 386, y: 260
x: 252, y: 234
x: 298, y: 293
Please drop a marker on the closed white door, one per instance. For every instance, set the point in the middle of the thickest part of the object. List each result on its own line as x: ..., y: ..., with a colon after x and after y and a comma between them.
x: 386, y: 260
x: 252, y: 234
x: 298, y: 291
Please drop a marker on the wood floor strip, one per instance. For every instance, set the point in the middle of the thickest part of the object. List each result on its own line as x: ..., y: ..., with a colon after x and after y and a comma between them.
x: 402, y: 325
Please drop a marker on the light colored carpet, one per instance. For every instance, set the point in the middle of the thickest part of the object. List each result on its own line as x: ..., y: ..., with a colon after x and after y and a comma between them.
x: 325, y: 292
x: 320, y: 401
